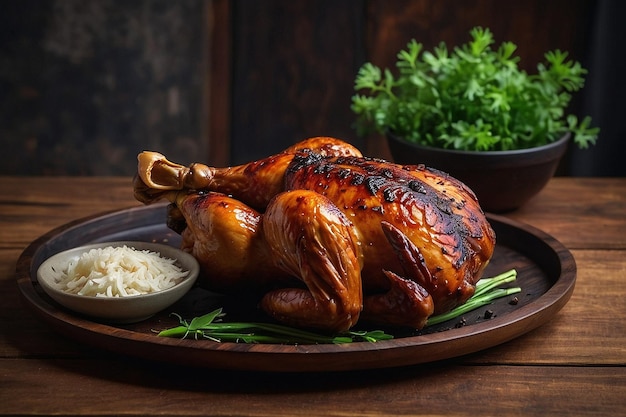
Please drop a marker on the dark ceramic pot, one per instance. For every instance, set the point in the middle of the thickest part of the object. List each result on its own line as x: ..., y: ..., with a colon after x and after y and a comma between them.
x: 502, y: 180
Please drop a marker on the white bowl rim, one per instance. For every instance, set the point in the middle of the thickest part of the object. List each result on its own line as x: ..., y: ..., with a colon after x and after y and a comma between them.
x: 188, y: 263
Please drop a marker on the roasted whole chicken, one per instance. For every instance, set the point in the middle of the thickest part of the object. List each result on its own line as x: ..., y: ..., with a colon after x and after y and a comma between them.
x: 327, y: 235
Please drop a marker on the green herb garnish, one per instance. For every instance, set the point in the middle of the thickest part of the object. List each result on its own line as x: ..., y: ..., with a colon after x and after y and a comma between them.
x: 471, y: 98
x: 486, y: 292
x: 210, y: 326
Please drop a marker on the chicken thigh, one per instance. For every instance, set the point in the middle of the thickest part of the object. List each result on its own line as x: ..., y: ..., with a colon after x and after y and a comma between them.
x: 328, y: 235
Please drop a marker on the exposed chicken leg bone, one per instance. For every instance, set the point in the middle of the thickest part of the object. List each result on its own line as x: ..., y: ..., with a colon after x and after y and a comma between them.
x: 157, y: 172
x: 157, y: 176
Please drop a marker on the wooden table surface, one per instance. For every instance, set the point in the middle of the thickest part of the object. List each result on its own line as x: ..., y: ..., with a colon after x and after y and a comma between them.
x: 573, y: 365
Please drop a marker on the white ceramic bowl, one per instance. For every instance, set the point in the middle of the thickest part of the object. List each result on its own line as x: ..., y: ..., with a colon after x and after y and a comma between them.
x: 128, y: 309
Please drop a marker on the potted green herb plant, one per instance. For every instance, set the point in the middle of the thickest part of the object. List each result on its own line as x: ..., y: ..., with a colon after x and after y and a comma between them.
x: 473, y: 113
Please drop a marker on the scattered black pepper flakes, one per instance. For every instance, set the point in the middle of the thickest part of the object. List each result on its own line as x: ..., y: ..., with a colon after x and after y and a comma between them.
x: 417, y: 186
x: 357, y: 179
x: 461, y: 323
x: 373, y: 184
x: 389, y: 195
x: 488, y: 314
x: 514, y: 301
x: 343, y: 173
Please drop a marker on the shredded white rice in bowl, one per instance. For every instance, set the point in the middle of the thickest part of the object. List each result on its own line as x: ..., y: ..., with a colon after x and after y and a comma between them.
x: 118, y: 281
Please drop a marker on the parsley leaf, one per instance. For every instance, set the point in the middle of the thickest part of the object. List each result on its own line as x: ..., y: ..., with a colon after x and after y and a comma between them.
x: 473, y: 97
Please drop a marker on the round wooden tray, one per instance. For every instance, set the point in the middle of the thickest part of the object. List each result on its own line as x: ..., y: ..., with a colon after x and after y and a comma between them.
x: 546, y: 274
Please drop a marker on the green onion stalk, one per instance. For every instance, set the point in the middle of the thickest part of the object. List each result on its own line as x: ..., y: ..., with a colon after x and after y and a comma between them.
x: 212, y: 327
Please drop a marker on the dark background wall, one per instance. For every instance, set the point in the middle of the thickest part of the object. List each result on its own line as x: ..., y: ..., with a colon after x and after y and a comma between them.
x: 86, y: 84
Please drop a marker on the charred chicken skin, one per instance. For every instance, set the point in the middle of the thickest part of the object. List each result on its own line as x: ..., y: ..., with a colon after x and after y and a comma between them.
x: 328, y: 235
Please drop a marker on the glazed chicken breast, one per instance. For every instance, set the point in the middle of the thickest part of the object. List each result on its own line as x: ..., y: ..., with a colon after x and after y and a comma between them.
x: 329, y: 236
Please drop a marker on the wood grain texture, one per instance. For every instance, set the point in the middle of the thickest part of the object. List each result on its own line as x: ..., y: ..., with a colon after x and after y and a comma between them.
x: 546, y: 273
x: 67, y: 387
x: 530, y: 25
x: 218, y: 81
x: 573, y: 365
x: 39, y: 204
x: 294, y: 67
x: 586, y: 331
x: 294, y: 63
x: 585, y: 213
x: 535, y: 26
x: 228, y: 80
x: 86, y: 85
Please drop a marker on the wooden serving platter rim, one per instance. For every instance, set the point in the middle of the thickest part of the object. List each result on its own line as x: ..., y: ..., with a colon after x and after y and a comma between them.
x: 549, y: 255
